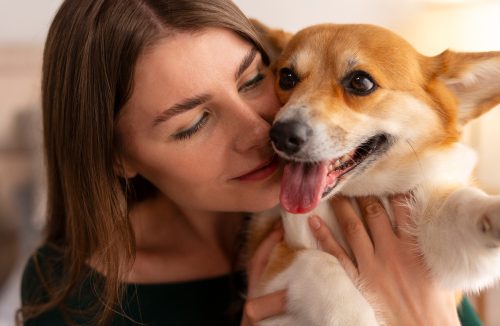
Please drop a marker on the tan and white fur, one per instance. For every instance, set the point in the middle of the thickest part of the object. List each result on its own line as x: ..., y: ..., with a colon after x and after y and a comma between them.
x: 422, y: 104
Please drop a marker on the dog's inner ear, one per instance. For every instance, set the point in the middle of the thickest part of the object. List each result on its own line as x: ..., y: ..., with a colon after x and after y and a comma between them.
x: 474, y: 79
x: 273, y: 40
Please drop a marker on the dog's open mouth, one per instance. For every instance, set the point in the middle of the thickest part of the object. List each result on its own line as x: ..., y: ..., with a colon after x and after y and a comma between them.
x: 305, y: 183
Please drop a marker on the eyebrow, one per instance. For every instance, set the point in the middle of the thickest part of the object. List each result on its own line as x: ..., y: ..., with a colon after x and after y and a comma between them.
x: 183, y: 106
x: 245, y: 63
x: 192, y: 102
x: 352, y: 62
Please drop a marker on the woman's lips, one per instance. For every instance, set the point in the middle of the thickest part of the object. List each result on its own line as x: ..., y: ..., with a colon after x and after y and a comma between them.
x: 262, y: 171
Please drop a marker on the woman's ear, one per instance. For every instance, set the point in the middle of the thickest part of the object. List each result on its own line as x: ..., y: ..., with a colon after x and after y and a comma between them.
x: 273, y: 40
x: 123, y: 168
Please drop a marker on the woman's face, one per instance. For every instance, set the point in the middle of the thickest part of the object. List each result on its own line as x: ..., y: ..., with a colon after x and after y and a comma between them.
x: 198, y: 120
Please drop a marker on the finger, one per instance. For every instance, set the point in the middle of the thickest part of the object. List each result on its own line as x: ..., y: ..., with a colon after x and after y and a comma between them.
x: 377, y: 220
x: 259, y: 260
x: 328, y: 243
x: 266, y: 306
x: 402, y: 214
x: 353, y: 229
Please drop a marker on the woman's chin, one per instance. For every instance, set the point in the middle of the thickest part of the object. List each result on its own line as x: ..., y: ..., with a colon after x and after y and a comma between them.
x: 261, y: 204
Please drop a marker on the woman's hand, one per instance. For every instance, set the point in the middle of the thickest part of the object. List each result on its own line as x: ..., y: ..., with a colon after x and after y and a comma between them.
x: 387, y: 263
x: 259, y: 308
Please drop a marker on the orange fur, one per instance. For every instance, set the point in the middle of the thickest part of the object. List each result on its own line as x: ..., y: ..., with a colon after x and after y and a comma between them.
x: 280, y: 259
x: 257, y: 232
x: 323, y: 55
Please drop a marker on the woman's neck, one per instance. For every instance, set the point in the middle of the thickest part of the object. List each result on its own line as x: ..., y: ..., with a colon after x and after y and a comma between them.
x: 157, y: 222
x: 181, y: 244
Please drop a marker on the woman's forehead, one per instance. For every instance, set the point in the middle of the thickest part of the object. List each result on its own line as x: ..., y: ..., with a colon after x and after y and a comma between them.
x: 216, y: 40
x: 183, y: 64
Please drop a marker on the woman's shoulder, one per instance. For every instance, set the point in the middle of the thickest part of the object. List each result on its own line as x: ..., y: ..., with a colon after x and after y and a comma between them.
x: 50, y: 296
x: 188, y: 303
x: 35, y: 282
x: 43, y: 261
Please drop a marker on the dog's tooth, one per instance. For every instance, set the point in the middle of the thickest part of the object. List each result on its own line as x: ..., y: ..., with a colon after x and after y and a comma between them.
x: 345, y: 158
x: 337, y: 164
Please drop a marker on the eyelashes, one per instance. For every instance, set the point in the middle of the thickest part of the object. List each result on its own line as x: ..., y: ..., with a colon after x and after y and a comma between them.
x: 186, y: 134
x: 246, y: 87
x: 252, y: 83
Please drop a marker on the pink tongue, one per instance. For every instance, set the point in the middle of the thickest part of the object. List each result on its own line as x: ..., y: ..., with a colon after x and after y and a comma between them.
x: 302, y: 186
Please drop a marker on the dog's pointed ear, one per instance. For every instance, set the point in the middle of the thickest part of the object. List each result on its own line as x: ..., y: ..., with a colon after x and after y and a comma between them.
x: 273, y: 40
x: 473, y: 78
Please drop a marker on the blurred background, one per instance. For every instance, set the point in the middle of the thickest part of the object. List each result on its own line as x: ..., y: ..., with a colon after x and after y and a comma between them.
x: 430, y: 25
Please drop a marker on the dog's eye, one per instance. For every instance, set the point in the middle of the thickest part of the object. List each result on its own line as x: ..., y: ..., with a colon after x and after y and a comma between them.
x: 359, y: 83
x: 288, y: 79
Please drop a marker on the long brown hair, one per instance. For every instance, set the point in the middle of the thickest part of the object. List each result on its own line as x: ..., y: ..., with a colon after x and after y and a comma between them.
x: 89, y: 58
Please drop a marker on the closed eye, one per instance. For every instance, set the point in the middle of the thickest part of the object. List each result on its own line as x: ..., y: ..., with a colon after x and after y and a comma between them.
x: 188, y: 133
x: 252, y: 83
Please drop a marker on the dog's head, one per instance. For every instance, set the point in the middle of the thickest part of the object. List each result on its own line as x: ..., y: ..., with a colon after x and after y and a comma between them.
x: 358, y: 99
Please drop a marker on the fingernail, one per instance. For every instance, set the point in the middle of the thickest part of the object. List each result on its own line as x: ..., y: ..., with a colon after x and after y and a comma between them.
x: 314, y: 222
x: 373, y: 209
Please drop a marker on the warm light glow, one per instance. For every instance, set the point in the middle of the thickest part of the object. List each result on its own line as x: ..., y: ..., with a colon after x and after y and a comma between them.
x: 448, y: 2
x: 469, y: 26
x: 462, y: 26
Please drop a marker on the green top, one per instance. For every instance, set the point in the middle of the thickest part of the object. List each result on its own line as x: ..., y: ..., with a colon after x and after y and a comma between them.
x: 214, y: 301
x: 468, y: 316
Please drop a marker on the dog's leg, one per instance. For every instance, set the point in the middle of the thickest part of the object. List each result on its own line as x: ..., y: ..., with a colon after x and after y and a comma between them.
x: 461, y: 242
x: 319, y: 293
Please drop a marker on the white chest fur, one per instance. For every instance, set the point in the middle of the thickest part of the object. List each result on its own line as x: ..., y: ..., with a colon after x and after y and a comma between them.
x: 447, y: 212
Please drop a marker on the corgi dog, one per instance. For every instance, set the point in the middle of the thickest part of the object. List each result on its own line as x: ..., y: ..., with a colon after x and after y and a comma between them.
x: 365, y: 114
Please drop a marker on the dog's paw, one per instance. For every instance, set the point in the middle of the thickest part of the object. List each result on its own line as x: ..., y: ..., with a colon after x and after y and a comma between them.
x: 489, y: 225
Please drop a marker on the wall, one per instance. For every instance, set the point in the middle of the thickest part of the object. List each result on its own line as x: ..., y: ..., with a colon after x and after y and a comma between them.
x: 25, y: 21
x: 292, y: 15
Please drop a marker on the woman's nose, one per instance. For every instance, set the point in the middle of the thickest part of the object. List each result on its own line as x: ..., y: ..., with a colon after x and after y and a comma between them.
x: 252, y: 131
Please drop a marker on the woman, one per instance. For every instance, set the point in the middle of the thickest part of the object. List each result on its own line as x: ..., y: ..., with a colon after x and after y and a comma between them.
x: 156, y: 119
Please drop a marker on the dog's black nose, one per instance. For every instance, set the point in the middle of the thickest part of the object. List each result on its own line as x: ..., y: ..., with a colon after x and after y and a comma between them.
x: 290, y: 136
